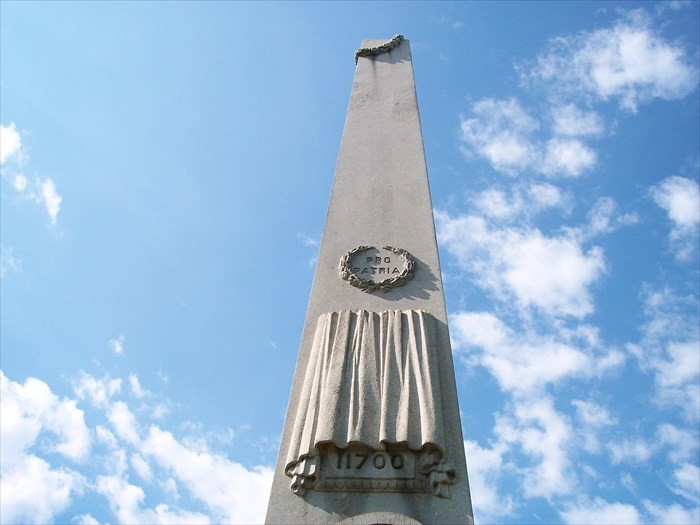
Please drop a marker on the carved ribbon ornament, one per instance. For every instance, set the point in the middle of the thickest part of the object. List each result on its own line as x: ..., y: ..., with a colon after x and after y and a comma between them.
x: 369, y: 417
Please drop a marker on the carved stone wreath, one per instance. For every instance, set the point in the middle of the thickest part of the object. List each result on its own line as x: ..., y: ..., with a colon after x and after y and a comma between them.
x: 378, y: 50
x: 370, y: 285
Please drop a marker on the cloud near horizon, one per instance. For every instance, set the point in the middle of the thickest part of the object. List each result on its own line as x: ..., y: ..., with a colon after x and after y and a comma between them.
x: 47, y: 441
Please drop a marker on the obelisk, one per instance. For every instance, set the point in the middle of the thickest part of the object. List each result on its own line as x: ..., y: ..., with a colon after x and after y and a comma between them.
x: 373, y: 433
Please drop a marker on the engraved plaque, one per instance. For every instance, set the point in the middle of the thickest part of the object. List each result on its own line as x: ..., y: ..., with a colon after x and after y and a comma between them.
x: 369, y: 268
x: 359, y: 468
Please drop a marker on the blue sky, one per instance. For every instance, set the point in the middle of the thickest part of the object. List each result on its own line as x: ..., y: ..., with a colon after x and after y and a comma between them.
x: 166, y: 169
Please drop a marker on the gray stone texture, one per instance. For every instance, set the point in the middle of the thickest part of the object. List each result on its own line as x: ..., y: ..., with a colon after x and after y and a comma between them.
x: 380, y: 197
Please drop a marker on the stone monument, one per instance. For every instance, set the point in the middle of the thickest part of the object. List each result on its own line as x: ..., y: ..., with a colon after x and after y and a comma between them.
x: 373, y: 433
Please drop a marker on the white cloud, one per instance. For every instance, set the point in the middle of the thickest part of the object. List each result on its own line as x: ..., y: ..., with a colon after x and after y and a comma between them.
x: 117, y: 345
x: 673, y: 513
x: 31, y: 490
x: 85, y: 519
x: 8, y: 262
x: 686, y: 482
x: 629, y: 62
x: 553, y: 274
x: 40, y: 191
x: 544, y: 196
x: 115, y: 460
x: 33, y: 406
x: 485, y: 469
x: 669, y: 350
x: 628, y: 482
x: 603, y: 217
x: 51, y: 199
x: 569, y: 157
x: 680, y: 197
x: 234, y: 493
x: 569, y: 120
x: 32, y: 415
x: 141, y: 467
x: 136, y: 388
x: 20, y: 182
x: 124, y: 422
x: 682, y: 443
x: 494, y: 203
x: 545, y: 436
x: 126, y: 499
x: 10, y: 142
x: 159, y: 410
x: 681, y: 366
x: 630, y: 451
x: 601, y: 512
x: 308, y: 241
x: 524, y: 200
x: 97, y: 391
x: 592, y: 417
x: 501, y: 131
x: 520, y: 362
x: 592, y: 414
x: 673, y: 5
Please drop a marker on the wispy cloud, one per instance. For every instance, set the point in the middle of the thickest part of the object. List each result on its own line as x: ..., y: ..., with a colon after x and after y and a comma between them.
x: 544, y: 435
x: 40, y: 190
x: 550, y: 273
x: 51, y: 199
x: 131, y: 453
x: 525, y: 362
x: 505, y: 134
x: 486, y: 466
x: 10, y: 142
x: 307, y: 240
x: 598, y: 510
x: 673, y: 513
x: 630, y: 62
x: 117, y: 345
x: 500, y: 131
x: 570, y: 120
x: 8, y: 262
x: 521, y: 201
x: 32, y: 489
x: 591, y: 418
x: 680, y: 198
x: 669, y: 349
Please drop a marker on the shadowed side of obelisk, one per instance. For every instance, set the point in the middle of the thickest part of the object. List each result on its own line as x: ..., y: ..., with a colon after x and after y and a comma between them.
x: 372, y: 430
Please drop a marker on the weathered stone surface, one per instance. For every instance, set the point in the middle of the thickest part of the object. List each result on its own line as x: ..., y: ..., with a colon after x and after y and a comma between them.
x: 361, y: 399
